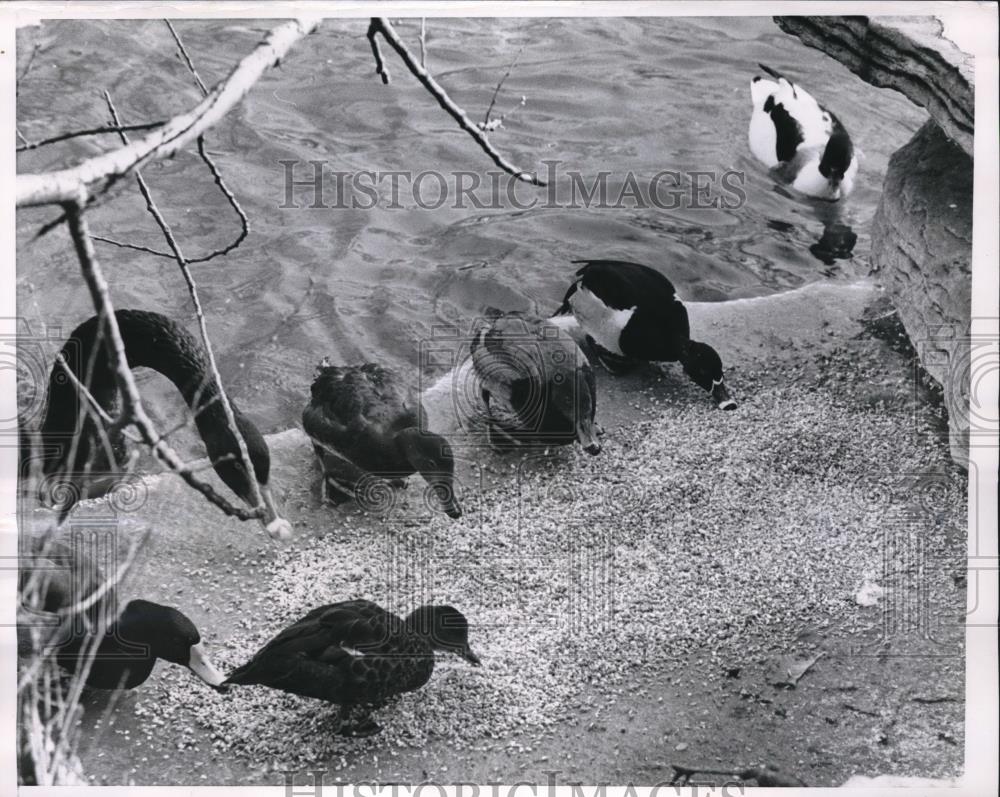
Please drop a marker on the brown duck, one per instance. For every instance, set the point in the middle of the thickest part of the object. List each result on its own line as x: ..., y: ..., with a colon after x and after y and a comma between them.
x: 357, y: 655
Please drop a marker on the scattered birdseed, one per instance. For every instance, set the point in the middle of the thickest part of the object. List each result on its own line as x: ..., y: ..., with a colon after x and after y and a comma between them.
x: 694, y: 532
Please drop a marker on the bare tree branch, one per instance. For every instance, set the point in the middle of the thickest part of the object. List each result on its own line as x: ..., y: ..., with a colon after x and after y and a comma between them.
x: 69, y: 186
x: 380, y: 67
x: 491, y: 124
x: 93, y: 131
x: 381, y: 25
x: 230, y: 198
x: 202, y: 324
x: 31, y: 60
x: 187, y: 58
x: 133, y: 410
x: 423, y: 42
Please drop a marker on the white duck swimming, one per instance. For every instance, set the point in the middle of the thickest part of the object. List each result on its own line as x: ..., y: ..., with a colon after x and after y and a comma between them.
x: 803, y: 142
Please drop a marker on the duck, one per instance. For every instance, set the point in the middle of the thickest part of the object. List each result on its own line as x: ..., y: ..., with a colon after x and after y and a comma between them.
x: 357, y: 655
x: 802, y: 141
x: 365, y: 421
x: 72, y: 606
x: 629, y: 313
x: 541, y: 380
x: 73, y: 446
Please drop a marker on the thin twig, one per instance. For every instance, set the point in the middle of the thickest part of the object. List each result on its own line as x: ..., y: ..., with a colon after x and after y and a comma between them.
x: 168, y: 235
x: 74, y: 185
x: 92, y: 131
x: 233, y: 202
x: 423, y: 42
x: 226, y: 192
x: 487, y: 124
x: 380, y: 68
x: 187, y: 58
x: 213, y: 169
x: 90, y: 398
x: 133, y: 410
x: 383, y: 26
x: 20, y: 135
x: 36, y: 584
x: 31, y: 60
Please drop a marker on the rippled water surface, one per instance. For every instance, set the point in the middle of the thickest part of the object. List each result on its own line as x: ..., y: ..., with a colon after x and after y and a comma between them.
x: 625, y: 95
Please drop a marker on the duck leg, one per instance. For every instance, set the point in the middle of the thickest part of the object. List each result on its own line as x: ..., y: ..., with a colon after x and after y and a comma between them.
x: 340, y: 476
x: 363, y: 726
x: 501, y: 438
x: 614, y: 364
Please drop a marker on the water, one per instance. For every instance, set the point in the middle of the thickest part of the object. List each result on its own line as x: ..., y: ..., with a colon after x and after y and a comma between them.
x: 639, y: 95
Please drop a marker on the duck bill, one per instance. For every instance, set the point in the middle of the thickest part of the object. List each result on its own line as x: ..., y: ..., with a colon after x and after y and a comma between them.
x: 447, y: 500
x: 273, y: 522
x: 469, y: 656
x: 721, y: 397
x: 202, y: 666
x: 585, y: 434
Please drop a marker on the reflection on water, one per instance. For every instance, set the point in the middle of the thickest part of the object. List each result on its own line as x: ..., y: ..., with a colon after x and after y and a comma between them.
x: 634, y: 96
x: 836, y: 243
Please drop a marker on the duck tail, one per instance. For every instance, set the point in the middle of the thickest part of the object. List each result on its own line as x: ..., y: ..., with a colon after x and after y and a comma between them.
x: 565, y: 308
x: 772, y: 72
x: 241, y: 675
x: 779, y: 77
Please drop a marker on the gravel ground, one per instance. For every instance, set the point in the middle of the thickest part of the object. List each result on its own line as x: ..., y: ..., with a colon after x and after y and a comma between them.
x: 608, y: 595
x: 692, y: 533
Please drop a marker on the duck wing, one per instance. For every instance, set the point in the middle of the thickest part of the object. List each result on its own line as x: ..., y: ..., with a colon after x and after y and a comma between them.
x: 622, y: 284
x: 799, y: 120
x: 352, y: 652
x: 348, y: 401
x: 659, y: 326
x: 506, y: 354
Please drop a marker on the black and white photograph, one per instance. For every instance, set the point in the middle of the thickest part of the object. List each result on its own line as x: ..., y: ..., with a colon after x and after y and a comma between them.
x: 500, y: 398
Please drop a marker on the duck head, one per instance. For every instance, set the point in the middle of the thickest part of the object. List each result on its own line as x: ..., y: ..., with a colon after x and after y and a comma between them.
x: 836, y: 160
x: 224, y: 451
x: 431, y: 456
x: 703, y: 366
x: 168, y: 634
x: 445, y: 628
x: 563, y: 409
x: 578, y: 405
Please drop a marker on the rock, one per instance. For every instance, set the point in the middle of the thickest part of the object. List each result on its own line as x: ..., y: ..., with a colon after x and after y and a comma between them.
x: 869, y: 593
x: 922, y: 231
x: 908, y: 54
x: 922, y: 255
x: 787, y: 671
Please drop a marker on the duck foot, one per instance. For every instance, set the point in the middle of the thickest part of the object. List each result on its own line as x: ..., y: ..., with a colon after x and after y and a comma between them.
x: 501, y: 440
x: 360, y: 729
x: 614, y: 364
x: 332, y: 494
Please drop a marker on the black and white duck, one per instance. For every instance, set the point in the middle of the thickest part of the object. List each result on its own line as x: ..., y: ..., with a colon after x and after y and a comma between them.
x: 804, y: 143
x: 71, y: 442
x: 357, y: 655
x: 540, y: 378
x: 630, y: 313
x: 365, y: 421
x: 68, y: 612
